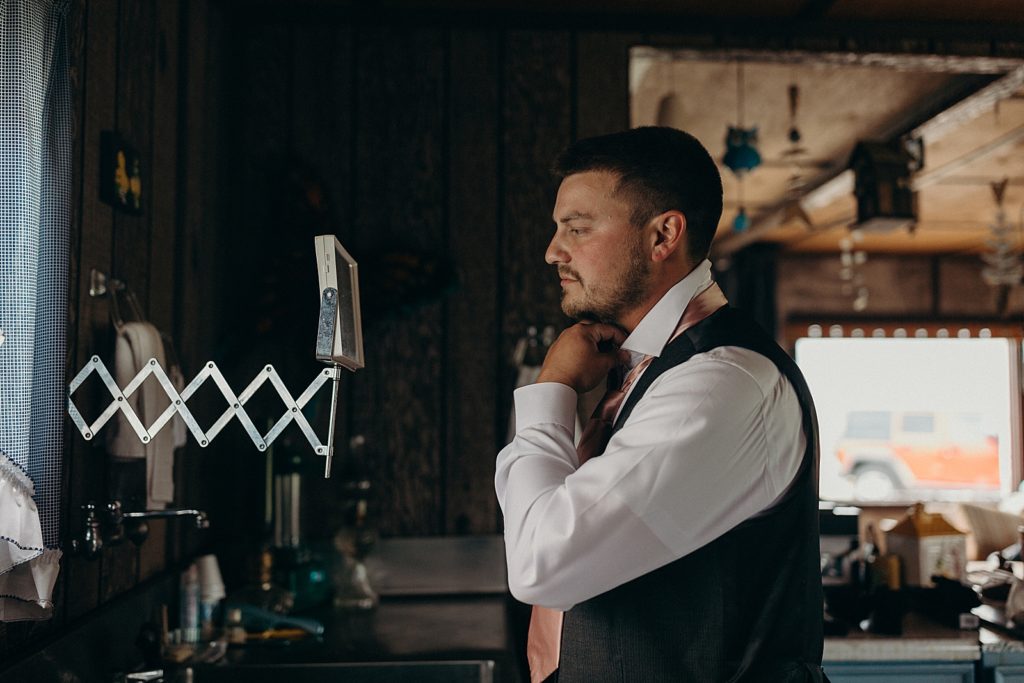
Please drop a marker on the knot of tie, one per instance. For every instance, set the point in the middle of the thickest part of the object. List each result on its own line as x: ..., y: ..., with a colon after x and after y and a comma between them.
x: 598, y: 430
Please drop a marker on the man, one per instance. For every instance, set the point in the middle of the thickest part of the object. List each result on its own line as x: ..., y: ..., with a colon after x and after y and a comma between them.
x: 688, y: 550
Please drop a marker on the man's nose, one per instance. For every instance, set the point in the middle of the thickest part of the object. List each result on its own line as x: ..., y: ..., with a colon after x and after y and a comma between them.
x: 555, y: 254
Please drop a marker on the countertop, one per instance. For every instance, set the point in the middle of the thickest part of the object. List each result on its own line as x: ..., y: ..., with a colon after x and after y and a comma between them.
x: 445, y: 598
x: 921, y: 640
x: 441, y: 599
x: 924, y: 640
x: 438, y: 565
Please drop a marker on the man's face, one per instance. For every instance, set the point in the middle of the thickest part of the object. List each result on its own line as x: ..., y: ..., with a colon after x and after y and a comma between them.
x: 600, y: 254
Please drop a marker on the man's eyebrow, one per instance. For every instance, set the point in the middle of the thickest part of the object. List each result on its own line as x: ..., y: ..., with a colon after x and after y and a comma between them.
x: 576, y: 215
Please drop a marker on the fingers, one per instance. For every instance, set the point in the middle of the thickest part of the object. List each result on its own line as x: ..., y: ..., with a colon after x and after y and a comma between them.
x: 583, y: 354
x: 603, y: 332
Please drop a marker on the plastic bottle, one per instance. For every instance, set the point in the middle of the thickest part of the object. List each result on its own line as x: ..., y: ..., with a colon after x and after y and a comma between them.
x: 234, y: 632
x: 189, y: 614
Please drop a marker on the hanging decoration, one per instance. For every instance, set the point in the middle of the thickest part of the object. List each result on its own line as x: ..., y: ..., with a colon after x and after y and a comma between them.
x: 1003, y: 264
x: 795, y: 152
x: 851, y: 260
x: 741, y: 153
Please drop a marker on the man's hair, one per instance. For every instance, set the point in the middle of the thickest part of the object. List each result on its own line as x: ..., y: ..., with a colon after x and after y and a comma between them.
x: 660, y: 169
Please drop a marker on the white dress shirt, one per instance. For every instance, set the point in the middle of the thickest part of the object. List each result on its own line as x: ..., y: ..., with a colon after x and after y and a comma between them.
x: 713, y: 442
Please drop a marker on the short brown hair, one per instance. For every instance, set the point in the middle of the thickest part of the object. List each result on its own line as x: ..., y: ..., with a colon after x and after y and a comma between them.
x: 660, y: 169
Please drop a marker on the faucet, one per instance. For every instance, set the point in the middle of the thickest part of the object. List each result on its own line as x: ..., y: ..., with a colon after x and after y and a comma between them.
x: 110, y: 526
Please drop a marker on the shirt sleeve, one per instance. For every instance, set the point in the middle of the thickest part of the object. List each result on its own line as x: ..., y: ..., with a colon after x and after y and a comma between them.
x: 690, y: 464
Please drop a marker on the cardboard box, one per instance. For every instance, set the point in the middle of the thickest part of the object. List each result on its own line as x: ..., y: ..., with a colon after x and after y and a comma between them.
x: 928, y: 545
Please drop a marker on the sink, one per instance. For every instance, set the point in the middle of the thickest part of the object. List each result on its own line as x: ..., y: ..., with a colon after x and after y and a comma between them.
x: 352, y: 672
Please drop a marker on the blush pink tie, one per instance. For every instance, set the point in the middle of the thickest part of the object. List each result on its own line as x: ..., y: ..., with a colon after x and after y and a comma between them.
x: 545, y: 634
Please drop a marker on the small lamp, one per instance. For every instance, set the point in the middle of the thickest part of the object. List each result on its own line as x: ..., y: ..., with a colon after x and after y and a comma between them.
x: 885, y: 199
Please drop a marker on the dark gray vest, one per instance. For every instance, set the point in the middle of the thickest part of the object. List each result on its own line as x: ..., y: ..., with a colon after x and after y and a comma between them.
x: 745, y: 607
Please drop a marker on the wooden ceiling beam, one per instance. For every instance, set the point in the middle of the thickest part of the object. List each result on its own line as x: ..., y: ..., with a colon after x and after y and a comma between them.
x: 833, y: 184
x: 898, y: 61
x: 971, y: 107
x: 939, y: 174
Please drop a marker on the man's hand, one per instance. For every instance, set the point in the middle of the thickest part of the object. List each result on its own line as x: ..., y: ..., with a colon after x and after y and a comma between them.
x: 583, y: 355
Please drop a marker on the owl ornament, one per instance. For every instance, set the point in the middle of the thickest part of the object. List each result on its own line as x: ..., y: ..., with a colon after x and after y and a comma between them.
x: 741, y: 157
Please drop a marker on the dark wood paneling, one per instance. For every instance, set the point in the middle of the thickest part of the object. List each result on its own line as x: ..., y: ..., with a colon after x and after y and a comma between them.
x: 131, y: 241
x: 322, y: 98
x: 163, y: 185
x: 196, y: 260
x: 87, y: 467
x: 399, y: 198
x: 164, y: 199
x: 134, y: 108
x: 537, y: 125
x: 261, y: 245
x: 472, y: 315
x: 602, y: 82
x: 962, y: 291
x: 810, y: 285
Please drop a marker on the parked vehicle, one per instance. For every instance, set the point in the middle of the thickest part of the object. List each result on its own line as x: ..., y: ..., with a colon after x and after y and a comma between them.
x: 885, y: 452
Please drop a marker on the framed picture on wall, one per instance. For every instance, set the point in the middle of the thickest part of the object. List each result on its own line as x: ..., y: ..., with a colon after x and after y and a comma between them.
x: 120, y: 174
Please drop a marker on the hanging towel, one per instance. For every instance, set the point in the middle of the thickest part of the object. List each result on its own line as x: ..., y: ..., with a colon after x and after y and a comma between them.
x: 179, y: 426
x: 137, y: 343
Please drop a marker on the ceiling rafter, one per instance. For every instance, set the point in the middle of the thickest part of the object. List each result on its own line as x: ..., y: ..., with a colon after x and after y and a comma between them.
x: 830, y: 185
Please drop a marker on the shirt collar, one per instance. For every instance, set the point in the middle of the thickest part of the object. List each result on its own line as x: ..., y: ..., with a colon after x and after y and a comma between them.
x: 654, y: 330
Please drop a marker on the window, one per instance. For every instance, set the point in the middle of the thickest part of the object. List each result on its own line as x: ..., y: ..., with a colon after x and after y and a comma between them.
x: 922, y: 423
x: 863, y: 424
x: 904, y: 419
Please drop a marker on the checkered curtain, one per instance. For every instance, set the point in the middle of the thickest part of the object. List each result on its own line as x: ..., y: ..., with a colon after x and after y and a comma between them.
x: 35, y: 185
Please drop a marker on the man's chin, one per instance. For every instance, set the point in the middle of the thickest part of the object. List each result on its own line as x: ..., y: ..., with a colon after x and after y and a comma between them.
x: 580, y: 313
x: 586, y: 316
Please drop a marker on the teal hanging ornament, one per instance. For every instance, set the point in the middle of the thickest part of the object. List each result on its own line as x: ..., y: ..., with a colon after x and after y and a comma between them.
x: 741, y: 222
x: 741, y: 155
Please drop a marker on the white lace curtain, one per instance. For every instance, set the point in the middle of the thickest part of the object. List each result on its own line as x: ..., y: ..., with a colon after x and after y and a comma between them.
x: 35, y: 183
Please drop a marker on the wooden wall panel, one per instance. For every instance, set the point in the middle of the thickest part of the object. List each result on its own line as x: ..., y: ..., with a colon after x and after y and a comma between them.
x: 163, y: 194
x: 963, y: 292
x: 602, y: 82
x: 259, y: 246
x: 472, y: 309
x: 87, y: 465
x: 811, y: 286
x: 198, y: 262
x: 322, y: 102
x: 131, y: 240
x: 917, y: 288
x: 399, y: 204
x: 537, y: 125
x: 188, y: 324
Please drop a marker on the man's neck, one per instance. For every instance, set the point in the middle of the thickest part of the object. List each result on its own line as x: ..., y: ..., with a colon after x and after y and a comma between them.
x: 660, y: 284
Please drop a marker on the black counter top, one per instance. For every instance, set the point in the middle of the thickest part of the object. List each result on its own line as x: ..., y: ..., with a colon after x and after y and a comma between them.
x: 445, y: 627
x: 442, y: 599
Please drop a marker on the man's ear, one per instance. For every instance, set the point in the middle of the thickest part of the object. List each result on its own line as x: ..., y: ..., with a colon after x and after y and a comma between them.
x: 669, y: 235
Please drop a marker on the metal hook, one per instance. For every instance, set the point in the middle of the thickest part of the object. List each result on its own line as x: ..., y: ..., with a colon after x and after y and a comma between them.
x: 100, y: 284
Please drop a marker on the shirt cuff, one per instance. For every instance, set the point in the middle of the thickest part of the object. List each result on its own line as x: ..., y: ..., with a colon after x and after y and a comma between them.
x: 545, y: 403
